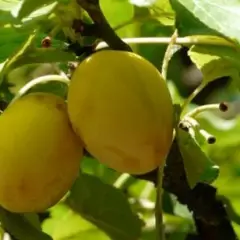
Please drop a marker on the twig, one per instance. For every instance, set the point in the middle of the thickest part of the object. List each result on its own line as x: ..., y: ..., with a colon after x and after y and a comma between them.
x: 201, y: 109
x: 192, y: 96
x: 185, y: 41
x: 158, y: 206
x: 104, y: 29
x: 209, y: 212
x: 34, y: 82
x: 168, y: 54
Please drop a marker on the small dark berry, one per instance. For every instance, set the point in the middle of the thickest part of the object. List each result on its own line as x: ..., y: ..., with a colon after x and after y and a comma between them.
x: 211, y: 140
x: 46, y: 42
x: 223, y: 106
x: 183, y: 126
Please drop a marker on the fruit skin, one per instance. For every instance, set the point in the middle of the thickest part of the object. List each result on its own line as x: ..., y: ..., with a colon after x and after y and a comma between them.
x: 39, y: 153
x: 120, y: 107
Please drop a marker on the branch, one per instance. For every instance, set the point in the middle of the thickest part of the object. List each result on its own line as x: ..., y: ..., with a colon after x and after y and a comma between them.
x: 209, y: 213
x: 104, y: 30
x: 184, y: 41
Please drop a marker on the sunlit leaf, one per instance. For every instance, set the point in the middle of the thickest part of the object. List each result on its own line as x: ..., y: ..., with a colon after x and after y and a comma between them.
x: 29, y: 54
x: 104, y: 206
x: 8, y: 5
x: 20, y: 227
x: 26, y: 7
x: 42, y: 55
x: 163, y: 12
x: 197, y: 165
x: 117, y: 12
x: 66, y: 224
x: 218, y: 15
x: 216, y: 62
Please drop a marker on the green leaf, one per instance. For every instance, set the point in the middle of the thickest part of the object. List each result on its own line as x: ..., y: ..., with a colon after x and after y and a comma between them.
x: 29, y: 54
x: 8, y: 5
x: 26, y: 7
x: 91, y: 166
x: 90, y: 234
x: 163, y: 12
x: 11, y: 39
x: 33, y: 219
x: 218, y: 15
x: 228, y: 53
x: 216, y: 62
x: 2, y: 232
x: 6, y: 18
x: 117, y: 12
x: 42, y: 55
x: 57, y: 88
x: 10, y: 34
x: 187, y: 23
x: 176, y: 97
x: 198, y: 166
x: 66, y: 224
x: 9, y: 64
x: 178, y: 235
x: 104, y: 206
x: 64, y: 1
x: 20, y: 227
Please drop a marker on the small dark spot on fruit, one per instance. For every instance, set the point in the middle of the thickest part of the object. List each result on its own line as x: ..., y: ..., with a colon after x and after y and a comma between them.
x: 22, y: 186
x: 39, y: 97
x: 60, y: 106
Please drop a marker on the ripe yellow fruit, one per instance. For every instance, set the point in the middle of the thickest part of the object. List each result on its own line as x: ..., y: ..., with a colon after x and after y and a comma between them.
x: 39, y: 153
x: 120, y: 106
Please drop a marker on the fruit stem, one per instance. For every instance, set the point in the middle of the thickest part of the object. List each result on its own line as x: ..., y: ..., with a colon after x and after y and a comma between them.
x: 200, y: 109
x: 186, y: 41
x: 192, y: 96
x: 208, y: 137
x: 42, y: 79
x: 160, y: 233
x: 168, y: 54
